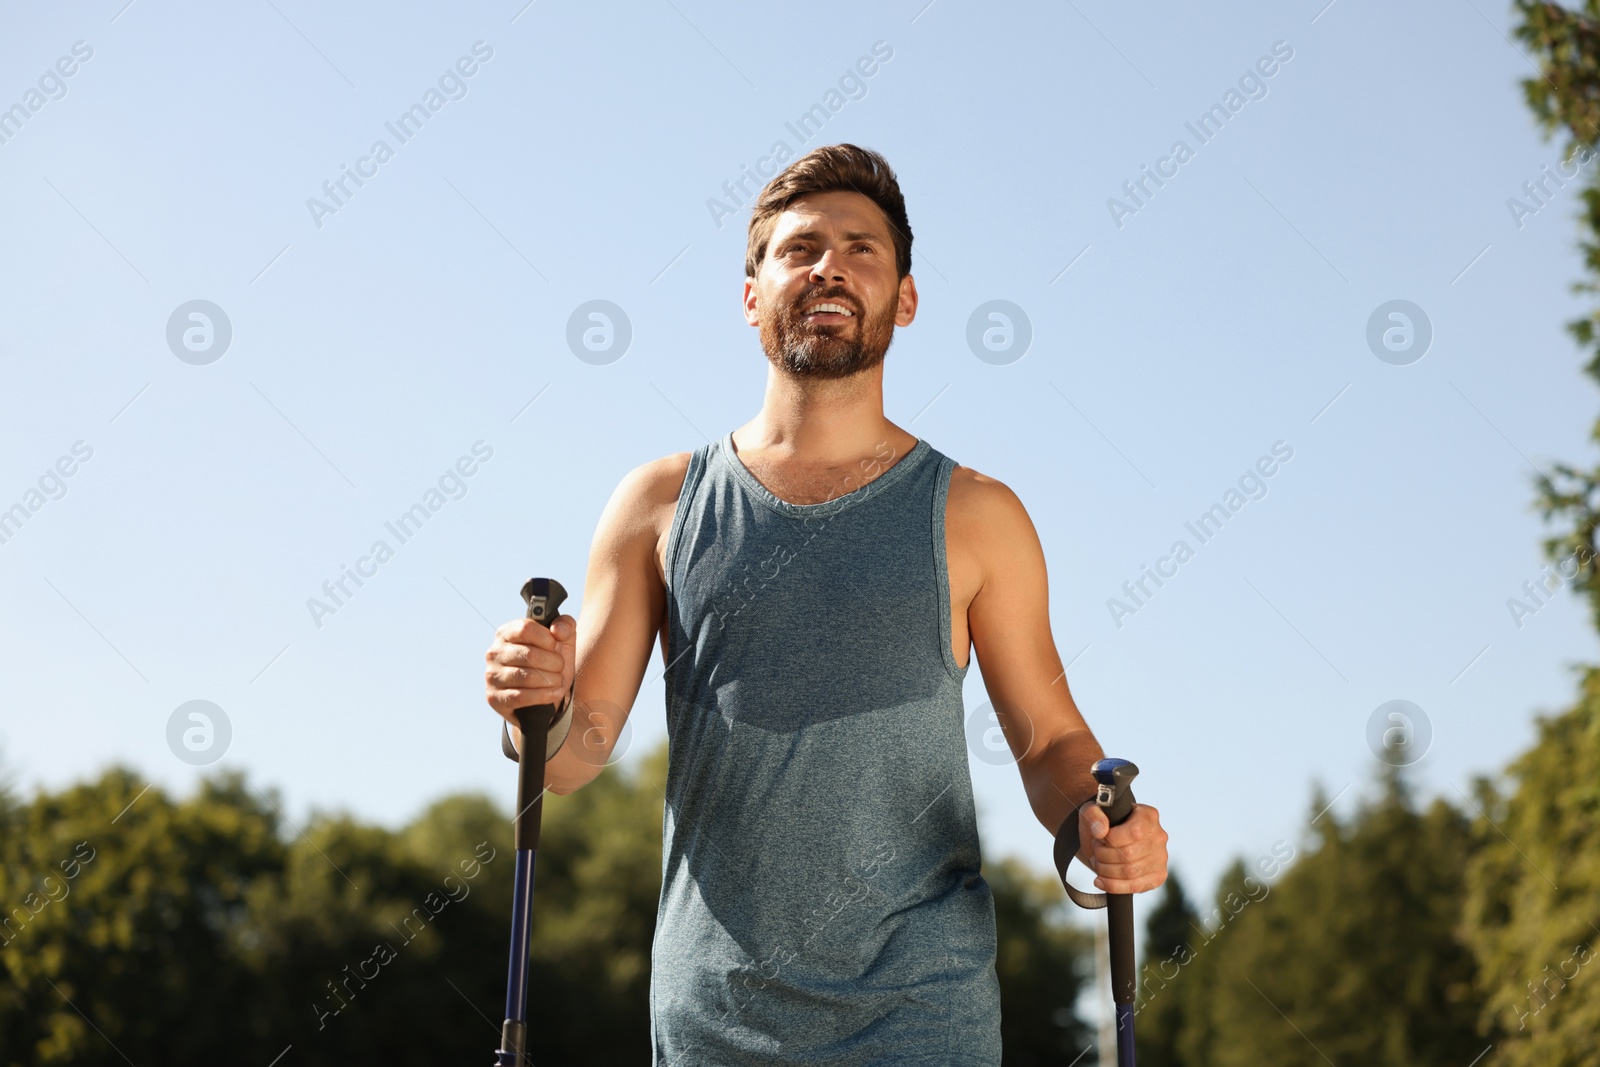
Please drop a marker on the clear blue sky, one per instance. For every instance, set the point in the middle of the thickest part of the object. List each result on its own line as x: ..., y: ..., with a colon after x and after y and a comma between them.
x: 374, y: 344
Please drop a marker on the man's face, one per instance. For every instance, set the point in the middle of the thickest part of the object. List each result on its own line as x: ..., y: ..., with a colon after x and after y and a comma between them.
x: 826, y: 298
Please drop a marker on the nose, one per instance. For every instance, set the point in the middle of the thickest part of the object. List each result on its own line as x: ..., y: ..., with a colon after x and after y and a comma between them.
x: 828, y: 267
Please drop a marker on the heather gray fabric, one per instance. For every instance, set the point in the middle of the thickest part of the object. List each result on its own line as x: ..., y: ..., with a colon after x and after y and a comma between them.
x: 821, y: 901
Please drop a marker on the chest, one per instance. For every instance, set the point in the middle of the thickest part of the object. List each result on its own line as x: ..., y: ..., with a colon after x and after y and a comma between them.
x: 963, y: 560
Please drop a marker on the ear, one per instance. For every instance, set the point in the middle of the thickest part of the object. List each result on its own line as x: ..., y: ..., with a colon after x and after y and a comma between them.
x: 751, y: 314
x: 906, y: 308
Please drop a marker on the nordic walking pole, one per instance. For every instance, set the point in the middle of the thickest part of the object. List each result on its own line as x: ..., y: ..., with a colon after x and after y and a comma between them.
x: 544, y: 597
x: 1114, y: 797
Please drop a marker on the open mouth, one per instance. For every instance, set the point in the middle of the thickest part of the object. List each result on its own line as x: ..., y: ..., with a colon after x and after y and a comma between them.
x: 827, y: 311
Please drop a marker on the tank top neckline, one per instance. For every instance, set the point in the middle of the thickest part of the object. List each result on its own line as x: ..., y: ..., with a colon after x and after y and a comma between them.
x: 827, y: 507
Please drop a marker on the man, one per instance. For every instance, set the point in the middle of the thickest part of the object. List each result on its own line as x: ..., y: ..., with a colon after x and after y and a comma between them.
x: 818, y: 580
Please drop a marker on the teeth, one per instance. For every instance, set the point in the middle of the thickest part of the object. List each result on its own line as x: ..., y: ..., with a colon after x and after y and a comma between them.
x: 838, y: 309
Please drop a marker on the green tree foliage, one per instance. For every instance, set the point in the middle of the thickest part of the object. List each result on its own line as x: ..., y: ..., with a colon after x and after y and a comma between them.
x: 147, y: 929
x: 1533, y: 905
x: 1533, y: 915
x: 1352, y: 956
x: 594, y: 918
x: 1170, y: 933
x: 121, y: 910
x: 1566, y: 96
x: 1042, y: 963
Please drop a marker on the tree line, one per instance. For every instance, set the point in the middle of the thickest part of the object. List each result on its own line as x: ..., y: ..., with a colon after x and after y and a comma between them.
x: 143, y: 928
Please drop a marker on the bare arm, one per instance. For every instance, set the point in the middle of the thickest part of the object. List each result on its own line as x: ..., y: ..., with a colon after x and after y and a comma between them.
x: 624, y: 602
x: 1009, y: 620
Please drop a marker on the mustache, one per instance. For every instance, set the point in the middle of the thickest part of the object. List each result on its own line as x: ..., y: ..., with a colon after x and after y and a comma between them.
x: 832, y: 296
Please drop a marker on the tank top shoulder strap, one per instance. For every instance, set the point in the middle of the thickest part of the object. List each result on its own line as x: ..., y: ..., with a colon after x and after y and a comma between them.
x: 699, y: 459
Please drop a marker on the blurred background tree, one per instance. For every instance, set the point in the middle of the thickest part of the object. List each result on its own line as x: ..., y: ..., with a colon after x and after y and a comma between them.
x: 1533, y: 900
x: 211, y: 927
x: 1171, y: 932
x: 1354, y: 954
x: 1043, y: 963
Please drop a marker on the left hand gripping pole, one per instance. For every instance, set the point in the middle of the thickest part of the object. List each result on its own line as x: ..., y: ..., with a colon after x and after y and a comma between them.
x: 1114, y: 796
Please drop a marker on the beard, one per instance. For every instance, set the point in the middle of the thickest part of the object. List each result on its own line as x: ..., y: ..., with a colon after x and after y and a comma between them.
x: 833, y: 350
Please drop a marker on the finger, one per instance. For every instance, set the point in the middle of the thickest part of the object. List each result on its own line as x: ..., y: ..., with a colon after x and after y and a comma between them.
x: 524, y: 656
x: 525, y: 678
x: 509, y: 701
x: 565, y: 628
x: 1116, y: 849
x: 1134, y: 877
x: 1115, y: 865
x: 1140, y: 884
x: 1092, y: 821
x: 526, y: 632
x: 1127, y: 833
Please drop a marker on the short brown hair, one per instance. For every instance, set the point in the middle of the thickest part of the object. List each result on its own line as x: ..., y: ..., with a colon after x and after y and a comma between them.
x: 831, y: 168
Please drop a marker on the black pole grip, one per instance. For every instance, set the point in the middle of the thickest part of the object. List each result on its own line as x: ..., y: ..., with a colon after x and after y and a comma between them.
x: 1115, y: 797
x: 543, y: 597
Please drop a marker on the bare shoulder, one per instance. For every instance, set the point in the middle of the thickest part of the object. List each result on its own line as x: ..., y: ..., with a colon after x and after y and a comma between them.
x: 657, y: 482
x: 641, y: 508
x: 988, y: 533
x: 637, y: 503
x: 978, y: 502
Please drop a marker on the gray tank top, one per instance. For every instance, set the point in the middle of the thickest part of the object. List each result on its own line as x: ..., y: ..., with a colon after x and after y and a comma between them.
x: 821, y: 901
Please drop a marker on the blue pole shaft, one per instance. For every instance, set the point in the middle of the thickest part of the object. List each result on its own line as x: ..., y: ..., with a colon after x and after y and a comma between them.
x: 521, y: 935
x: 1125, y: 1036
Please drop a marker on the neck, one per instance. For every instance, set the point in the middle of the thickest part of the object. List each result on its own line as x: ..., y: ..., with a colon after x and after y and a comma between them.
x: 827, y: 422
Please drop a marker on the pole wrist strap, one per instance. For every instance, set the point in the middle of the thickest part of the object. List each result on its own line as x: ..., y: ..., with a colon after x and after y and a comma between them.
x: 1067, y: 844
x: 558, y: 730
